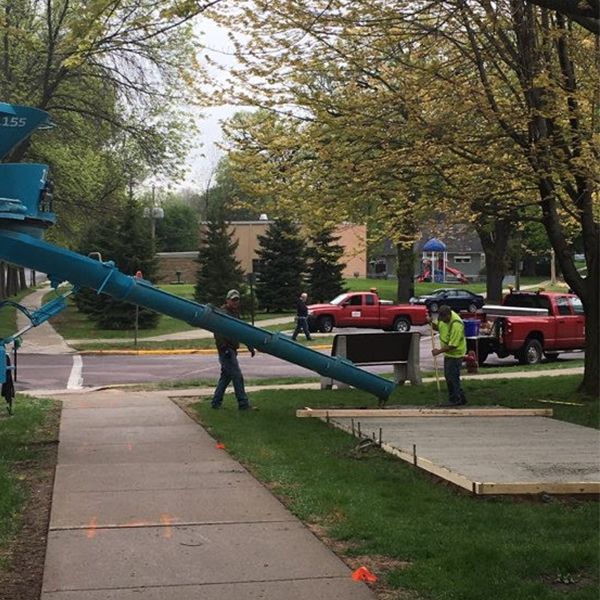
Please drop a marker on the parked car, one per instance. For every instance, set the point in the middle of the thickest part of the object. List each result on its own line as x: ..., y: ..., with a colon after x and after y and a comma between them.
x: 456, y: 299
x: 364, y: 309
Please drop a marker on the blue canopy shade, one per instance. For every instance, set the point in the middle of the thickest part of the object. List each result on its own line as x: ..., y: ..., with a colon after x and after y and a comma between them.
x: 434, y: 245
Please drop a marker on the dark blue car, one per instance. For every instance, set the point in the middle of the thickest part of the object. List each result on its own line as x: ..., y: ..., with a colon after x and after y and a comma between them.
x: 456, y: 299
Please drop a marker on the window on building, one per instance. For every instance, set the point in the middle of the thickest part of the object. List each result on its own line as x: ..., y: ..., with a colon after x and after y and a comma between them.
x: 462, y: 259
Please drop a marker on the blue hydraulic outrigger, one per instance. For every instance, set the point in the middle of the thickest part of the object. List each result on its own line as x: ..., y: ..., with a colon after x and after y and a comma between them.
x: 26, y: 211
x: 8, y: 368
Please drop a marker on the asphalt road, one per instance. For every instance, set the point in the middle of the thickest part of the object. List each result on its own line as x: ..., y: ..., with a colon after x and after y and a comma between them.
x: 41, y: 371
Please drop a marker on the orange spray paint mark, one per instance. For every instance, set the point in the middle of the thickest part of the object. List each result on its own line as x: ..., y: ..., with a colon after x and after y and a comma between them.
x: 90, y: 532
x: 220, y: 446
x: 167, y: 520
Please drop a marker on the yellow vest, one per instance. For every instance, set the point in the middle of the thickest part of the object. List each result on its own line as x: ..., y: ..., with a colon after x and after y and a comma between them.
x: 453, y: 334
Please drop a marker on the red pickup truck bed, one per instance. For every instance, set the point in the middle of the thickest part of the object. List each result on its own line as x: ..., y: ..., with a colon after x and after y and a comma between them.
x: 529, y: 338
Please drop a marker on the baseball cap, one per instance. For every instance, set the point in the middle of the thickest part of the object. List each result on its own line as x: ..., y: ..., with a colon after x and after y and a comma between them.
x: 231, y: 294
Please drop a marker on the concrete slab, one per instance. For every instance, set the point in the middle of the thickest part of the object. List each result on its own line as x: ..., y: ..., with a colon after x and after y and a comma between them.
x: 234, y: 503
x: 129, y: 434
x: 167, y: 414
x: 503, y: 450
x: 204, y: 554
x: 216, y: 473
x: 88, y: 453
x: 332, y: 588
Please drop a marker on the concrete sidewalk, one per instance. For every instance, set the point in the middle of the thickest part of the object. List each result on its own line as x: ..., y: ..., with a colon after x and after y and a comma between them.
x: 42, y: 339
x: 146, y: 506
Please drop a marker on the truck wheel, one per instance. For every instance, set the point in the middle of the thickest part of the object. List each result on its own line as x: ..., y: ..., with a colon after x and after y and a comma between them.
x: 433, y: 307
x: 402, y: 324
x: 472, y: 308
x: 551, y: 356
x: 325, y: 324
x: 531, y: 353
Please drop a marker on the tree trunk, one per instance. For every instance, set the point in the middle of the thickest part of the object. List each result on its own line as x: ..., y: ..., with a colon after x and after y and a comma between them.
x: 22, y: 279
x: 405, y: 272
x: 495, y: 243
x: 590, y: 385
x: 2, y: 280
x: 12, y: 281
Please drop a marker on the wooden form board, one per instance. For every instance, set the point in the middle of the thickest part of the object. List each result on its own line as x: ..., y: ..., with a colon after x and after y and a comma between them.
x: 332, y: 413
x: 487, y: 487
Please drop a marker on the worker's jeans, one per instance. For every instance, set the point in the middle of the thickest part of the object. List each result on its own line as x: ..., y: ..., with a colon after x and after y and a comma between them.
x: 301, y: 325
x: 230, y: 371
x: 452, y: 375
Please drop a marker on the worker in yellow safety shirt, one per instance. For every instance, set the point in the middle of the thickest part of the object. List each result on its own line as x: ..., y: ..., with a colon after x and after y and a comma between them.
x: 454, y: 347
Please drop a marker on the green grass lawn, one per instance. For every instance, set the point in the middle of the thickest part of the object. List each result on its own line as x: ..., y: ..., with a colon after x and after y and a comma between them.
x: 21, y: 444
x: 201, y: 344
x: 493, y: 369
x: 74, y: 325
x: 452, y: 545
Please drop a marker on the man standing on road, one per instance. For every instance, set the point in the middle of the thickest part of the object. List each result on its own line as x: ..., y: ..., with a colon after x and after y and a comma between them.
x: 454, y: 348
x: 301, y: 317
x: 230, y: 368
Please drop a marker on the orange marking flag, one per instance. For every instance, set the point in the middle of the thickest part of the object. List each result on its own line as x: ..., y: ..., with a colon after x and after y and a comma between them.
x: 363, y: 574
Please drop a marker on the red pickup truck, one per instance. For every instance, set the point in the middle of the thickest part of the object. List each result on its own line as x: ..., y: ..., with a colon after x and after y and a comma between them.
x: 558, y: 326
x: 364, y: 309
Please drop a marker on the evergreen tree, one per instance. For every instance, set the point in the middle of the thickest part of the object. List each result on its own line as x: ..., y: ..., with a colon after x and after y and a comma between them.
x: 283, y: 265
x: 126, y: 240
x: 325, y: 278
x: 178, y: 230
x: 219, y: 270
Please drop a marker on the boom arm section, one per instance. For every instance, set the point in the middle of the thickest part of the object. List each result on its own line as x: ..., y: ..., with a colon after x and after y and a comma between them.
x: 63, y: 265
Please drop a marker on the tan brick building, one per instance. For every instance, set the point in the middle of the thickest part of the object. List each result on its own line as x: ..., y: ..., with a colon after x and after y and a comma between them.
x: 352, y: 239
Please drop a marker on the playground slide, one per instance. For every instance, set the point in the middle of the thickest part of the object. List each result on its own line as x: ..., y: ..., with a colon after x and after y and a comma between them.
x: 458, y: 274
x: 426, y: 276
x: 23, y: 217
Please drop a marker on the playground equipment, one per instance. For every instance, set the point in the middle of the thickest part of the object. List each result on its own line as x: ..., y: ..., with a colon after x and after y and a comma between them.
x: 436, y: 268
x: 26, y: 211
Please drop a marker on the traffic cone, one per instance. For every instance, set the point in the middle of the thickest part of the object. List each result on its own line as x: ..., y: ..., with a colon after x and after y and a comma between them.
x: 363, y: 574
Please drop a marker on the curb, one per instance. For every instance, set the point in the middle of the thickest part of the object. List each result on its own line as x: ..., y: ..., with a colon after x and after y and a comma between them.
x: 209, y: 351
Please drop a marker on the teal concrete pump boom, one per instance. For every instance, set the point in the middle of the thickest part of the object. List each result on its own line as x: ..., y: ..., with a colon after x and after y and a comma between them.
x: 25, y: 211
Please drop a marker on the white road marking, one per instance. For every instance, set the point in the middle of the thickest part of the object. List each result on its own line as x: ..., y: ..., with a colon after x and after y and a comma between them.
x: 76, y: 377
